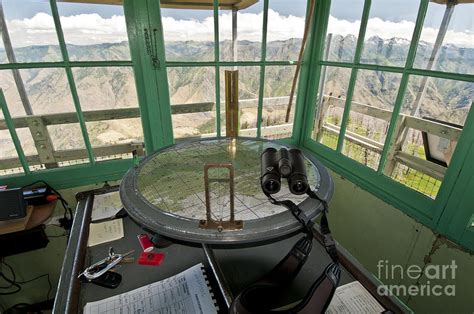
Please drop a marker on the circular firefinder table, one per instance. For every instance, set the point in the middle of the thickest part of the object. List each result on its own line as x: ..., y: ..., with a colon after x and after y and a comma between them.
x: 166, y: 194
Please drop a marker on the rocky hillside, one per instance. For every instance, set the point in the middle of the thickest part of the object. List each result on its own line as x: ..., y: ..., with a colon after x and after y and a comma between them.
x: 108, y: 88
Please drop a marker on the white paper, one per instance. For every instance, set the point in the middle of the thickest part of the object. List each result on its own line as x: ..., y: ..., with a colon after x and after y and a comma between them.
x: 353, y: 298
x: 104, y: 232
x: 106, y: 206
x: 186, y: 292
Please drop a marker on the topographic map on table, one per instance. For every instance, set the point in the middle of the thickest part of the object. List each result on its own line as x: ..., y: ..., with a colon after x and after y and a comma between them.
x: 173, y: 180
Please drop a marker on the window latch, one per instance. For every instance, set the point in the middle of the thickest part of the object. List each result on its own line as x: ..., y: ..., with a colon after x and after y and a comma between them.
x: 151, y: 49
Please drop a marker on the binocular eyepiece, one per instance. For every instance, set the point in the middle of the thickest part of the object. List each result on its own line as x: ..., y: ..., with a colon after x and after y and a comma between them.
x: 285, y: 163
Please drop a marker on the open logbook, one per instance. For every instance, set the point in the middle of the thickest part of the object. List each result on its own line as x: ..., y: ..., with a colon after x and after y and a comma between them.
x: 186, y: 292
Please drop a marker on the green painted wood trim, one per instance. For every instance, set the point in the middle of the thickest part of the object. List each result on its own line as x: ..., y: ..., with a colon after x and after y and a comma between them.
x: 70, y: 78
x: 72, y: 64
x: 71, y: 176
x: 174, y: 64
x: 375, y: 67
x: 261, y: 89
x: 389, y: 140
x: 134, y: 31
x: 310, y: 74
x: 161, y: 77
x: 457, y: 175
x: 217, y: 74
x: 414, y: 204
x: 353, y: 78
x: 13, y: 134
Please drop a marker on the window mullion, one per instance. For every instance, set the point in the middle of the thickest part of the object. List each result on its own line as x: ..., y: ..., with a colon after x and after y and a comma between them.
x: 13, y: 134
x: 70, y: 78
x: 352, y: 81
x: 310, y: 72
x: 217, y: 67
x: 262, y: 69
x: 389, y: 141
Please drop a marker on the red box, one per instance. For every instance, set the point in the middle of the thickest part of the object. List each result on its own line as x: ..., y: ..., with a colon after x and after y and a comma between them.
x: 153, y: 259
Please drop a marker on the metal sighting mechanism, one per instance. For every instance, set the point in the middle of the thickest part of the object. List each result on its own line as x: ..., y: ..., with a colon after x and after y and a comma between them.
x: 221, y: 224
x: 285, y: 163
x: 232, y: 112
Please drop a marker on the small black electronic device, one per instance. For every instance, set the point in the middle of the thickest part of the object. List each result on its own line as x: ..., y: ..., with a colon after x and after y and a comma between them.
x: 109, y: 280
x: 287, y: 164
x: 12, y: 204
x: 36, y: 195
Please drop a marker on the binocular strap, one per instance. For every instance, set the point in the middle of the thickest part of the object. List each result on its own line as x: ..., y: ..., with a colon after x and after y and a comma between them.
x: 260, y: 297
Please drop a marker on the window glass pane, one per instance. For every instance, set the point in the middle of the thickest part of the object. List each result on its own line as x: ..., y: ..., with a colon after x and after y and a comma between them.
x: 105, y: 87
x: 249, y: 79
x: 371, y: 109
x: 437, y: 98
x: 389, y: 32
x: 10, y: 90
x: 9, y: 163
x: 32, y: 31
x: 66, y: 136
x: 285, y: 29
x: 192, y: 93
x: 110, y: 88
x: 188, y: 34
x: 276, y: 95
x: 94, y: 32
x: 47, y: 90
x: 3, y: 54
x: 249, y: 22
x: 343, y: 29
x: 112, y: 132
x: 331, y: 105
x: 447, y: 46
x: 432, y: 110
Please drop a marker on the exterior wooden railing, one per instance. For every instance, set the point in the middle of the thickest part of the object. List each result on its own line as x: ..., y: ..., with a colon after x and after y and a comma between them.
x: 50, y: 157
x: 395, y: 153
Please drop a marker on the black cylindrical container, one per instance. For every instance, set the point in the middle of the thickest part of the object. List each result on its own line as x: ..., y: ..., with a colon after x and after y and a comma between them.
x: 270, y: 177
x: 297, y: 181
x: 284, y: 163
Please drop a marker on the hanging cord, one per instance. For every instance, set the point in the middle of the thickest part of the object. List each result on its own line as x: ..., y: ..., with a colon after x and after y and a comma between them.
x: 300, y: 58
x: 17, y: 284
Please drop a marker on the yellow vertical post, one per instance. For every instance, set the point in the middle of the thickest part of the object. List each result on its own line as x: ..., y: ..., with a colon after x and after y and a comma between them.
x: 232, y: 112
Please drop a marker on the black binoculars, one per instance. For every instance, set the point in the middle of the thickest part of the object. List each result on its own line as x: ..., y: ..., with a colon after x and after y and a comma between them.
x: 285, y: 163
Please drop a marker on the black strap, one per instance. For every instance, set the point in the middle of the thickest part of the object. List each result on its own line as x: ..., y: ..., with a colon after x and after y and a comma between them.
x: 260, y: 296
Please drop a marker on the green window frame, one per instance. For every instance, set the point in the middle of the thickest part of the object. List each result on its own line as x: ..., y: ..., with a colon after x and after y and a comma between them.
x: 434, y: 213
x: 73, y: 175
x: 445, y: 214
x: 152, y: 81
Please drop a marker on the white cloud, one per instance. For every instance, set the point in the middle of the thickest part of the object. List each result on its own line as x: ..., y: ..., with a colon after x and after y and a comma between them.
x: 84, y: 29
x: 249, y: 27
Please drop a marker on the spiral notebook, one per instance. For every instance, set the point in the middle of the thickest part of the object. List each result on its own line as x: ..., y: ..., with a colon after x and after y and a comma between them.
x: 186, y: 292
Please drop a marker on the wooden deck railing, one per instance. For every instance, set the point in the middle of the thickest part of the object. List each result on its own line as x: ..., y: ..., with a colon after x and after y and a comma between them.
x: 50, y: 158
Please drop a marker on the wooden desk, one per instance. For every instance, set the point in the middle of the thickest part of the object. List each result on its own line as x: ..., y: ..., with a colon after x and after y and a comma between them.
x: 238, y: 266
x: 35, y: 216
x: 27, y: 233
